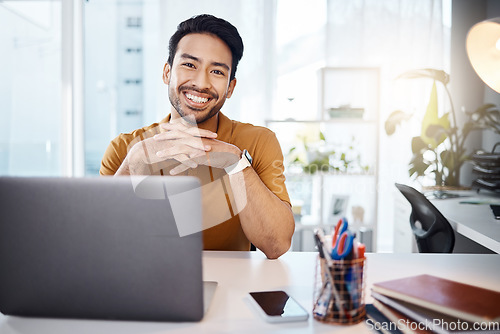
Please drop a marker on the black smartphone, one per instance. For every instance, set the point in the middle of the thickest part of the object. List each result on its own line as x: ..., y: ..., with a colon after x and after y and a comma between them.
x: 496, y: 210
x: 277, y: 306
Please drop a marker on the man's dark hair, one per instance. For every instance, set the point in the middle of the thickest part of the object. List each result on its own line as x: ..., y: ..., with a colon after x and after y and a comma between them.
x: 209, y: 24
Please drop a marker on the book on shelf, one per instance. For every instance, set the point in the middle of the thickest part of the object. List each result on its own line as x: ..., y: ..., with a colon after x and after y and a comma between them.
x: 413, y: 319
x: 458, y: 300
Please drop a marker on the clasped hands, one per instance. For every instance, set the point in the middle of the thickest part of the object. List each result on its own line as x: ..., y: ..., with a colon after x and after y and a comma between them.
x: 181, y: 145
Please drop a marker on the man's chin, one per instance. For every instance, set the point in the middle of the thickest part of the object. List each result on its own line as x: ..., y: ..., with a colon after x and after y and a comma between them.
x: 193, y: 115
x: 197, y: 117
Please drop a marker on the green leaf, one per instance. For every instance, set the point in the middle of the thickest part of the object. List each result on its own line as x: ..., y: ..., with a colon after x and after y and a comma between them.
x: 437, y: 132
x: 486, y: 116
x: 321, y: 136
x: 467, y: 128
x: 493, y: 112
x: 417, y: 165
x: 394, y: 119
x: 418, y: 170
x: 431, y: 118
x: 485, y: 108
x: 418, y: 145
x: 447, y: 159
x: 431, y: 73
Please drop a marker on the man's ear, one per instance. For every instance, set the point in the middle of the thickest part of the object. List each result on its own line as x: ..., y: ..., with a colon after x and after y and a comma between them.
x: 166, y: 73
x: 230, y: 89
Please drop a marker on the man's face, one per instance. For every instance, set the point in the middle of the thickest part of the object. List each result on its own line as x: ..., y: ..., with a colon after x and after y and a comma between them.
x: 198, y: 81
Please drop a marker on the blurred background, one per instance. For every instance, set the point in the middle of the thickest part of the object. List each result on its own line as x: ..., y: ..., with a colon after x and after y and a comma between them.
x: 320, y: 73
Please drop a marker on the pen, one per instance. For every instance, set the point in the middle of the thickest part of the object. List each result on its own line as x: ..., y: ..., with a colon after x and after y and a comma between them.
x: 323, y: 254
x: 361, y: 251
x: 475, y: 202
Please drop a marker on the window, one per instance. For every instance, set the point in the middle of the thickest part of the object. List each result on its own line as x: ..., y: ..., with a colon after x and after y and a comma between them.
x: 114, y: 61
x: 30, y: 89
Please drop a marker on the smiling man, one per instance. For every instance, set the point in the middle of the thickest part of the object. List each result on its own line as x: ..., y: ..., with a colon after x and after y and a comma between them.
x: 239, y: 165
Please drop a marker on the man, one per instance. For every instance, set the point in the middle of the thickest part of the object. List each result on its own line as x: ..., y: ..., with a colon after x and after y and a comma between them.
x: 197, y: 139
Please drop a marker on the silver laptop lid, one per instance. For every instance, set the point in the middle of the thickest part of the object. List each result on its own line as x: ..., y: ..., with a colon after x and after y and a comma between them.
x: 105, y: 248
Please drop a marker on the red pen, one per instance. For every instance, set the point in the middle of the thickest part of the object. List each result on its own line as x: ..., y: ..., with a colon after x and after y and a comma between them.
x: 361, y: 251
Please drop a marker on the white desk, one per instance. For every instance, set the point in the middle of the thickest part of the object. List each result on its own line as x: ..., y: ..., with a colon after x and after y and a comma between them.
x: 241, y: 272
x: 474, y: 221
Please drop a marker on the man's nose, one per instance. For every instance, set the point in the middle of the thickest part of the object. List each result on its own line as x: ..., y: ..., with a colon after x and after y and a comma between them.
x: 202, y: 79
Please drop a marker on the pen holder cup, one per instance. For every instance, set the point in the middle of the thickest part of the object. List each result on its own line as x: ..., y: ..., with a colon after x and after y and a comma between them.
x: 339, y: 291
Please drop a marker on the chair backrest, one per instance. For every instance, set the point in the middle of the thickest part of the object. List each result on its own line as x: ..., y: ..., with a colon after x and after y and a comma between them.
x: 435, y: 234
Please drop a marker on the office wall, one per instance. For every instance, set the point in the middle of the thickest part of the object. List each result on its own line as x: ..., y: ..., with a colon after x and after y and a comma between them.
x: 467, y: 89
x: 490, y: 96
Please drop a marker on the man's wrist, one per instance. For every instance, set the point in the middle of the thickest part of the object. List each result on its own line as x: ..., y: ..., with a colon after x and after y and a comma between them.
x: 244, y: 162
x: 124, y: 168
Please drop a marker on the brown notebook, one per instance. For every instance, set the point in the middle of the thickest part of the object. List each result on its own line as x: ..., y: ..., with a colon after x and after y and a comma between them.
x: 456, y: 299
x: 413, y: 319
x: 403, y: 323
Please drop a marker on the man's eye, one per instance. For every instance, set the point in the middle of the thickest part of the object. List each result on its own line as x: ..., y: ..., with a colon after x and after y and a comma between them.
x: 218, y: 72
x: 188, y: 65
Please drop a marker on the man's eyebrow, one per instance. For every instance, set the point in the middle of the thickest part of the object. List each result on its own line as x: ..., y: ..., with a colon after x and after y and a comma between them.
x: 221, y: 65
x: 188, y: 56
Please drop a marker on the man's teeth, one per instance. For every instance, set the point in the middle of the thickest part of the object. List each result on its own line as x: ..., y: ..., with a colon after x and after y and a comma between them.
x: 196, y: 99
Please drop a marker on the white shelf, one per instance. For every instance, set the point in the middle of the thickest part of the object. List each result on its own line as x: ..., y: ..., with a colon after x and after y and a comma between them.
x: 326, y: 121
x: 330, y: 174
x: 342, y: 88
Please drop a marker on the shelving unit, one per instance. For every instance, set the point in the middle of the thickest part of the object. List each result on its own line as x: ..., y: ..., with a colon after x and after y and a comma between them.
x: 341, y: 90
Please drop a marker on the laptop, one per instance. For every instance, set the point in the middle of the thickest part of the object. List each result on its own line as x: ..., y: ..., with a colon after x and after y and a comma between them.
x: 101, y: 248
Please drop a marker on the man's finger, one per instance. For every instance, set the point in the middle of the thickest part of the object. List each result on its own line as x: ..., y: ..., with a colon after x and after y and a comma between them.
x: 178, y: 154
x: 186, y: 161
x: 189, y: 146
x: 176, y: 134
x: 179, y: 169
x: 172, y: 134
x: 192, y: 130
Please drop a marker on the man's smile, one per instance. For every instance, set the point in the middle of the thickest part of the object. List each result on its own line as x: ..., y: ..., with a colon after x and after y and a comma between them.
x: 196, y: 99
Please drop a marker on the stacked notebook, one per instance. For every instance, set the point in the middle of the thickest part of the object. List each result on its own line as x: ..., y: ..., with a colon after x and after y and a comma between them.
x: 428, y: 304
x: 487, y: 170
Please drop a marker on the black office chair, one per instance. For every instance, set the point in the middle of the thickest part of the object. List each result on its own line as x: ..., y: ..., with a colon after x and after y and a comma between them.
x: 435, y: 234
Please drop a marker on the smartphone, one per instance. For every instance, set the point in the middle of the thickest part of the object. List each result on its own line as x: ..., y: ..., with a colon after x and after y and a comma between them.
x: 277, y: 306
x: 496, y: 210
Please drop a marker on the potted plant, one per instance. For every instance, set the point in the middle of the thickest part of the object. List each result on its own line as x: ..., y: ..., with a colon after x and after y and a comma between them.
x: 313, y: 155
x: 440, y: 148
